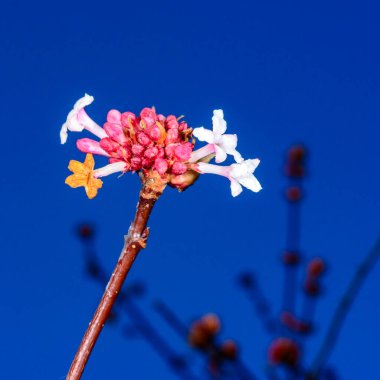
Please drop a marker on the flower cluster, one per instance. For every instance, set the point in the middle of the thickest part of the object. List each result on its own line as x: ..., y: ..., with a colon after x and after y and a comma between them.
x: 203, y: 331
x: 203, y: 336
x: 150, y: 143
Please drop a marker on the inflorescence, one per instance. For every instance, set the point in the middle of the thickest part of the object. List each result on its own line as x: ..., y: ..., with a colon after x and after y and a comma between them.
x: 154, y: 145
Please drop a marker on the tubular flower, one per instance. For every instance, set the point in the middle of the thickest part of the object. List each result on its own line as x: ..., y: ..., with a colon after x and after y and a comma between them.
x: 218, y: 142
x: 77, y: 120
x: 238, y: 174
x: 156, y: 146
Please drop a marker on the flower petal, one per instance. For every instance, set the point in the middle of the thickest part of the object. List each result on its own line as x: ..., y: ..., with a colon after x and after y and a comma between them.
x: 72, y: 123
x: 89, y: 162
x: 92, y: 187
x: 252, y: 164
x: 83, y: 102
x: 203, y: 134
x: 220, y: 154
x: 77, y: 167
x: 77, y: 120
x: 76, y: 180
x: 236, y: 188
x: 219, y: 125
x: 63, y: 133
x: 229, y: 143
x: 251, y: 183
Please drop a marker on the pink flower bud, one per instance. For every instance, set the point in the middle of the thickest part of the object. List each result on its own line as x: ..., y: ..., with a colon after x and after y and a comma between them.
x: 182, y: 126
x: 136, y: 163
x: 147, y: 163
x: 171, y: 122
x: 114, y: 116
x: 109, y: 145
x: 151, y: 152
x: 115, y: 131
x: 161, y: 118
x: 127, y: 118
x: 155, y: 133
x: 161, y: 153
x: 169, y: 150
x: 183, y: 181
x: 182, y: 152
x: 90, y: 146
x: 161, y: 165
x: 148, y: 115
x: 172, y: 136
x: 123, y: 153
x: 179, y: 168
x: 137, y: 149
x: 143, y: 139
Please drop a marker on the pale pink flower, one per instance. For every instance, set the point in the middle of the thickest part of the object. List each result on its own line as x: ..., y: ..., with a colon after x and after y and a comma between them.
x: 77, y: 120
x: 218, y: 141
x: 239, y: 174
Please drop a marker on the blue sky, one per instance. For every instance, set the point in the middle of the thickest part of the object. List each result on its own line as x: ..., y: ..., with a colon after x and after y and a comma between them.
x: 282, y: 73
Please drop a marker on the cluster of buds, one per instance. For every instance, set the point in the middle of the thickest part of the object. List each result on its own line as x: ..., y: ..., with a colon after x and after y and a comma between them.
x: 203, y: 332
x: 203, y: 336
x: 315, y: 269
x: 295, y: 165
x: 156, y: 147
x: 284, y: 351
x: 295, y: 324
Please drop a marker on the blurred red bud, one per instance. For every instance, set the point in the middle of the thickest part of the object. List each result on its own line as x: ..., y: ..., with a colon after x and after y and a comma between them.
x: 312, y: 287
x: 229, y: 349
x: 296, y: 153
x: 294, y: 170
x: 198, y: 337
x: 294, y: 324
x: 316, y: 267
x: 284, y: 351
x: 293, y: 193
x: 85, y: 231
x: 291, y: 258
x: 211, y: 323
x: 203, y: 331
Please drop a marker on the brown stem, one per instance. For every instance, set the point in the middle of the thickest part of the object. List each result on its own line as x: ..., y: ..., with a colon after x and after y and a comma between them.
x: 342, y: 310
x: 134, y: 242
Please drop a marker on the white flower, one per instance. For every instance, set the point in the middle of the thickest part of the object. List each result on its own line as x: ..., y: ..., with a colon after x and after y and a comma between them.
x: 242, y: 174
x: 239, y: 174
x: 77, y: 120
x: 223, y: 144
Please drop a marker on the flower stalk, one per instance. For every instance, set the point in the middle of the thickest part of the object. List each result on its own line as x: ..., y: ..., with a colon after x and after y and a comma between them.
x: 135, y: 240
